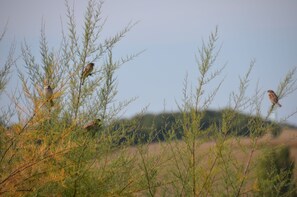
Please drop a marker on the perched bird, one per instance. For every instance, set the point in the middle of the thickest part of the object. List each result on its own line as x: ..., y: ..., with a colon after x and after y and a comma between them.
x: 48, y: 93
x: 93, y: 126
x: 87, y: 72
x: 273, y: 98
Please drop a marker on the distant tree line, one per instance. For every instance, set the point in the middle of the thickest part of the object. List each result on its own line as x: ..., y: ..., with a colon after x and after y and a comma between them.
x: 159, y: 127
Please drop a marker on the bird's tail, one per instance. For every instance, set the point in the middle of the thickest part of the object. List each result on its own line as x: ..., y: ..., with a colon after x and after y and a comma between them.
x: 83, y: 78
x: 279, y: 104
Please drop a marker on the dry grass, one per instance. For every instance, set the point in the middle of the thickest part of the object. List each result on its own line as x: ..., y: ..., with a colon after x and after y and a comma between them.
x: 288, y: 137
x: 161, y: 157
x: 240, y: 149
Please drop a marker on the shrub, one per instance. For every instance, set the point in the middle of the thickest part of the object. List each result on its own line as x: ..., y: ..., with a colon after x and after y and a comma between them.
x: 275, y: 173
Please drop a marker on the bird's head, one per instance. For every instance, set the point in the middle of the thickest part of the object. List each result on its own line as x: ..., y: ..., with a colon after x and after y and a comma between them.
x: 270, y: 91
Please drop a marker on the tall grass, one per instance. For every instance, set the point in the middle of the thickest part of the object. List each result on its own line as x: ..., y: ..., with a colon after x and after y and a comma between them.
x: 48, y: 151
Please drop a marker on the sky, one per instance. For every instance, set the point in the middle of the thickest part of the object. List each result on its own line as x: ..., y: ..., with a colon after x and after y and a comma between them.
x: 171, y: 33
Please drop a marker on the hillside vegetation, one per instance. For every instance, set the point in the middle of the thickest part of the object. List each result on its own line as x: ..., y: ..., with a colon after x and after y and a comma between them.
x: 159, y: 127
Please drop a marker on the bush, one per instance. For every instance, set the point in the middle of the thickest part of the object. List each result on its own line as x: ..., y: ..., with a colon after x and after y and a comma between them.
x: 275, y: 173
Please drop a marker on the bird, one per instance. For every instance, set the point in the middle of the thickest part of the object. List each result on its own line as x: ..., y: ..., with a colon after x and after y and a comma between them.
x: 273, y: 98
x: 87, y: 72
x: 93, y: 125
x: 48, y: 93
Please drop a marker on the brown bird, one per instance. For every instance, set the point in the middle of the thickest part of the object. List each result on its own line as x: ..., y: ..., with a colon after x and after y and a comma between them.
x: 93, y: 125
x: 48, y: 94
x: 87, y: 72
x: 273, y: 98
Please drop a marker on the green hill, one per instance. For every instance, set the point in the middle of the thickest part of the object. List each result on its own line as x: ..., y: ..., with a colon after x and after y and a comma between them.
x: 159, y: 127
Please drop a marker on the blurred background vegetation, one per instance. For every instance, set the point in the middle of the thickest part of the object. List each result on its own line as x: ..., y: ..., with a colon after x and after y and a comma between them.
x: 159, y: 127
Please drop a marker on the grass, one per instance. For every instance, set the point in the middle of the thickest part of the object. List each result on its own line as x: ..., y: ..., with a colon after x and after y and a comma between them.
x: 163, y: 157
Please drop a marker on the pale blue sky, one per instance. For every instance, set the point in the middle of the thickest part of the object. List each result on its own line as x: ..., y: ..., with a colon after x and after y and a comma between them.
x: 171, y: 31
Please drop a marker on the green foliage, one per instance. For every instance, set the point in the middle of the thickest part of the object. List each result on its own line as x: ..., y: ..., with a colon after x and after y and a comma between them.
x: 275, y: 172
x: 276, y: 129
x: 5, y: 70
x: 48, y: 151
x: 159, y: 127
